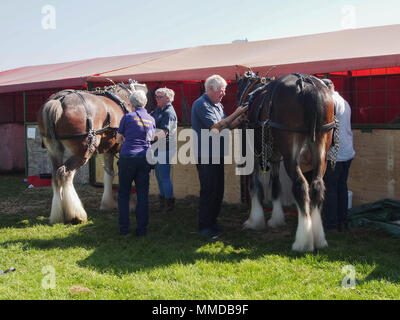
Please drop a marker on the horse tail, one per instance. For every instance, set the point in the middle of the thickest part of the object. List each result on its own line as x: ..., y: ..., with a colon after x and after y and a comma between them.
x: 51, y: 113
x: 313, y: 102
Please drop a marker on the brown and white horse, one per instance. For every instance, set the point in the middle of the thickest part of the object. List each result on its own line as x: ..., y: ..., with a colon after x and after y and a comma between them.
x: 292, y: 118
x: 75, y: 125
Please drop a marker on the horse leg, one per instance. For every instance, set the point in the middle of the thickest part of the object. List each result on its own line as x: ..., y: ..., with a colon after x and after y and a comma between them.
x: 71, y: 204
x: 56, y: 153
x: 107, y: 201
x: 277, y: 217
x: 256, y: 219
x: 317, y: 191
x: 304, y: 237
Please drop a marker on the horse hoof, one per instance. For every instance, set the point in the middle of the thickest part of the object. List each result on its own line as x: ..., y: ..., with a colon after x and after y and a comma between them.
x: 321, y: 244
x: 302, y: 247
x: 251, y: 225
x: 107, y: 207
x: 275, y: 224
x: 77, y: 220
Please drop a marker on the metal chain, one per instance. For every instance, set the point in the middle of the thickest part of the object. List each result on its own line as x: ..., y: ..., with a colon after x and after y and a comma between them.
x: 262, y: 148
x: 270, y: 143
x: 91, y: 140
x: 266, y: 148
x: 333, y: 151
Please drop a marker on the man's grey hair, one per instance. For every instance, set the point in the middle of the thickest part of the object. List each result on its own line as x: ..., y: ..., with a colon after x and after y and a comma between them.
x: 216, y: 82
x: 138, y: 99
x: 167, y: 92
x: 329, y: 84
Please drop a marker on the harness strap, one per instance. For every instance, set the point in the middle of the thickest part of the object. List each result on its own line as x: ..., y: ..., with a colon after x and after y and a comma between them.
x: 113, y: 97
x: 325, y: 127
x: 123, y: 85
x: 81, y: 135
x: 246, y: 92
x: 89, y: 124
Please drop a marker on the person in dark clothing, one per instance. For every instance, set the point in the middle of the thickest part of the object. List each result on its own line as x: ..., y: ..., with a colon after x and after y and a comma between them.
x: 208, y: 117
x: 336, y: 195
x: 166, y: 125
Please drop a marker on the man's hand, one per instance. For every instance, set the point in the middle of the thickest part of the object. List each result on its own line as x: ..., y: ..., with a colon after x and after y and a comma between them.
x: 231, y: 121
x: 240, y: 110
x: 238, y: 121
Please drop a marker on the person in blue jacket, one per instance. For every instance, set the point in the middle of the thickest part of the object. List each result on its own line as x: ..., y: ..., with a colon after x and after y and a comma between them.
x: 208, y: 117
x: 166, y: 125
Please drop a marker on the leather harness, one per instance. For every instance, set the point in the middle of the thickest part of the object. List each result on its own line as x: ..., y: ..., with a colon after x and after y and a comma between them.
x: 90, y: 132
x: 264, y: 91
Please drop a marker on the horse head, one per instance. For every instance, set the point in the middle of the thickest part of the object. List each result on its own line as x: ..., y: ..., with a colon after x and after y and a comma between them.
x: 134, y: 85
x: 246, y: 84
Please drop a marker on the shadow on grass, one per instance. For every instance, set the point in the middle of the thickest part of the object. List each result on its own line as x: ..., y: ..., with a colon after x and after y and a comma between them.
x: 174, y: 239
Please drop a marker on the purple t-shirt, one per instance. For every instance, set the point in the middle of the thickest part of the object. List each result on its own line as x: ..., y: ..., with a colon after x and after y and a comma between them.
x: 138, y: 128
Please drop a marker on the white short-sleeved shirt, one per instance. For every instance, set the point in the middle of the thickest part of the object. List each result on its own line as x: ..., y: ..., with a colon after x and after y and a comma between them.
x: 343, y: 114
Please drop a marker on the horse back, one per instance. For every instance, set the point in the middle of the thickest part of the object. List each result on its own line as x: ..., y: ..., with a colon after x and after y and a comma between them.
x: 72, y: 114
x: 301, y: 104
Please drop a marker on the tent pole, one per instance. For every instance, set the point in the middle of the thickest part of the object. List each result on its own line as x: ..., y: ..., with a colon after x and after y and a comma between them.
x: 92, y: 160
x: 25, y: 135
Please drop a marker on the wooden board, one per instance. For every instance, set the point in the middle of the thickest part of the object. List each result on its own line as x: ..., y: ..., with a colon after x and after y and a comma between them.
x: 375, y: 170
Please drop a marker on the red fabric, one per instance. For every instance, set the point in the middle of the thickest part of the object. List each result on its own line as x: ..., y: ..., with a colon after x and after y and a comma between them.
x: 36, y: 181
x: 319, y: 53
x: 366, y: 75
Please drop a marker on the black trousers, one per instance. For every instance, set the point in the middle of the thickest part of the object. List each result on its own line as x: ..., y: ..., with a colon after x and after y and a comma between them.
x: 336, y: 195
x: 211, y: 178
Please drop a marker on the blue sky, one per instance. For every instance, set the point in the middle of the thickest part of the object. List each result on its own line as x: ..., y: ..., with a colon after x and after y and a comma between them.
x: 89, y: 29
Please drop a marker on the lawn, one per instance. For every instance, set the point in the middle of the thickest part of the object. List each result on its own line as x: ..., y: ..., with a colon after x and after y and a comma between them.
x: 92, y: 261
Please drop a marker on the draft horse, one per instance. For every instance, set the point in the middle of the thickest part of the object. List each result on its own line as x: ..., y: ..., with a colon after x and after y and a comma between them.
x: 293, y: 121
x: 74, y: 125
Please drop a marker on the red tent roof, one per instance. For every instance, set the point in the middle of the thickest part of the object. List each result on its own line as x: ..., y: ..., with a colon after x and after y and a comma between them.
x: 66, y: 74
x: 351, y: 49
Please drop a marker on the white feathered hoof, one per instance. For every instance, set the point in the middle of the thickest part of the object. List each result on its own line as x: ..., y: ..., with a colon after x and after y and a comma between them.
x: 318, y: 230
x: 256, y: 220
x: 302, y: 246
x: 320, y: 244
x: 304, y: 236
x: 109, y: 204
x: 254, y: 225
x: 276, y: 223
x: 277, y: 217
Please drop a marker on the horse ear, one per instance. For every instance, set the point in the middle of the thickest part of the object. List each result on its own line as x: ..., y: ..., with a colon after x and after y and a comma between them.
x: 140, y: 86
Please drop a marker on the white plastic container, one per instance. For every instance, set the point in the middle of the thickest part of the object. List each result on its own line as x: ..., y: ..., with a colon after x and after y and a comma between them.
x: 350, y: 199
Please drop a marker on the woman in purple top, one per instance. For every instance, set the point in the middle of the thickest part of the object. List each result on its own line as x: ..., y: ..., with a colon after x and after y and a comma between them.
x: 136, y: 131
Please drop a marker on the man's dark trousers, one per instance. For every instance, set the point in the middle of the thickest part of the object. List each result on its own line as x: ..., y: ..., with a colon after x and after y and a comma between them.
x: 336, y: 195
x: 211, y: 192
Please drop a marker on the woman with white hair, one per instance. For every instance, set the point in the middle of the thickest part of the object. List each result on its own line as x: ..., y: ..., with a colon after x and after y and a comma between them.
x: 136, y: 131
x: 166, y: 125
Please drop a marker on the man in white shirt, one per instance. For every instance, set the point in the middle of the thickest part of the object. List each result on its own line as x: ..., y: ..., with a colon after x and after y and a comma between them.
x: 336, y: 195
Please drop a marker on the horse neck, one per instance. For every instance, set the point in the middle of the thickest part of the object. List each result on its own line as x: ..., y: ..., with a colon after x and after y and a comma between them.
x: 124, y: 96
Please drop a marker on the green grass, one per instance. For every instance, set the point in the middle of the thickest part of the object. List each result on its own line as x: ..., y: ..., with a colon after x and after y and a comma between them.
x: 173, y: 261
